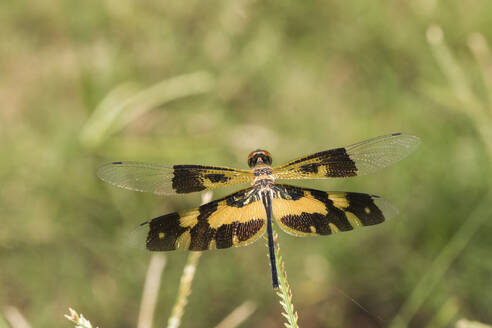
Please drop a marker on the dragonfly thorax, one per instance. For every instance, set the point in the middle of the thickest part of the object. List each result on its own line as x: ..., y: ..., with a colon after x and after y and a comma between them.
x: 263, y: 176
x: 262, y: 184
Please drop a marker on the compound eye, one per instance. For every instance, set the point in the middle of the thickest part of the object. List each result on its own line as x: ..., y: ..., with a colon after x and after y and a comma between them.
x: 252, y: 162
x: 252, y: 158
x: 266, y: 159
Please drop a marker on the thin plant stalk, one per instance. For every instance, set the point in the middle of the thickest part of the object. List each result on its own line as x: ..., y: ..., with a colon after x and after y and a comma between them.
x: 463, y: 323
x: 284, y: 291
x: 151, y: 290
x: 236, y: 317
x: 15, y: 318
x: 184, y: 290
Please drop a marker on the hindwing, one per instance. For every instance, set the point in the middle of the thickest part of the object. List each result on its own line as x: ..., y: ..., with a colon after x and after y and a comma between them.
x: 310, y: 212
x: 236, y: 220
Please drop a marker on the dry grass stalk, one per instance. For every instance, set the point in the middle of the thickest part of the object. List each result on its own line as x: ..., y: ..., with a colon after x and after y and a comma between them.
x: 151, y: 290
x: 236, y: 317
x: 15, y: 318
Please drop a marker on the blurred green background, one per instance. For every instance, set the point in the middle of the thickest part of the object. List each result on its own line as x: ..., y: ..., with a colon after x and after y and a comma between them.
x: 191, y: 82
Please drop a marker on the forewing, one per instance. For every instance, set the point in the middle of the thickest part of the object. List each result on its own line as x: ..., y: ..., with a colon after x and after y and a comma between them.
x: 236, y: 220
x: 359, y: 159
x: 308, y: 212
x: 174, y: 179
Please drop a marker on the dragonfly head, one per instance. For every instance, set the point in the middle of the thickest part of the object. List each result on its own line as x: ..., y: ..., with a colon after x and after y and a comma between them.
x: 259, y: 157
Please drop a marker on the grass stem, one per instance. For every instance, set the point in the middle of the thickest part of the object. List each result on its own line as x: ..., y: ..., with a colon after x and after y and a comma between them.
x: 184, y: 290
x: 151, y: 290
x: 284, y: 291
x: 236, y: 317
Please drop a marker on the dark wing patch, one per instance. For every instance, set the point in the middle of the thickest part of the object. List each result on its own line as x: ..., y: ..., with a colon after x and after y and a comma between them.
x: 359, y: 159
x: 178, y: 179
x: 310, y: 212
x: 236, y: 220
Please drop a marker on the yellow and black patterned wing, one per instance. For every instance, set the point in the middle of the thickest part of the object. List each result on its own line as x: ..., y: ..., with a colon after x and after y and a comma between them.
x: 309, y: 212
x: 174, y: 179
x: 359, y: 159
x: 236, y: 220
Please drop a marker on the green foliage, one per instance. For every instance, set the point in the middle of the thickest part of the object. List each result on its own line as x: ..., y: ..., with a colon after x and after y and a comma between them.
x: 84, y: 83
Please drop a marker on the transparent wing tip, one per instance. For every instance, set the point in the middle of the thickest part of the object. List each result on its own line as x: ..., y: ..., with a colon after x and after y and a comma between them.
x: 137, y: 238
x: 408, y: 141
x: 387, y: 208
x: 105, y: 170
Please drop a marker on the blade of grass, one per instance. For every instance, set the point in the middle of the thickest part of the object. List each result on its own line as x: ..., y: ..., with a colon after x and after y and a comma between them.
x: 446, y: 314
x: 478, y: 110
x: 454, y: 73
x: 443, y: 261
x: 480, y: 49
x: 124, y: 104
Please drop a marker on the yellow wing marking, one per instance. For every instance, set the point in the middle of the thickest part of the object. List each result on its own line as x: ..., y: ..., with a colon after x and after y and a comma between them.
x: 188, y: 219
x: 228, y: 214
x: 353, y: 220
x: 339, y: 200
x: 333, y: 228
x: 282, y: 207
x: 183, y: 241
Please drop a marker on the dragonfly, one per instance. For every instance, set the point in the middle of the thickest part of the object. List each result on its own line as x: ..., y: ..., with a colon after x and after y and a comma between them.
x: 241, y: 218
